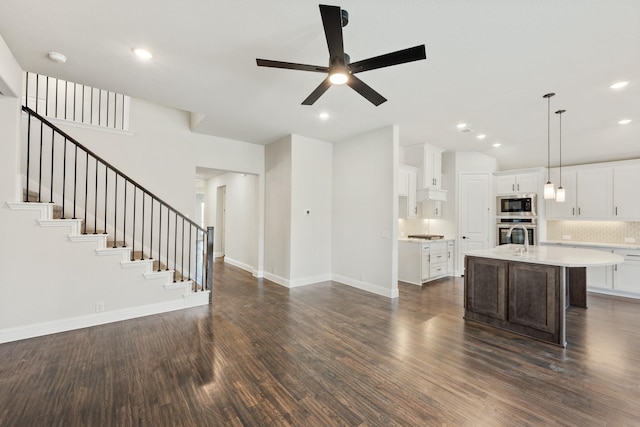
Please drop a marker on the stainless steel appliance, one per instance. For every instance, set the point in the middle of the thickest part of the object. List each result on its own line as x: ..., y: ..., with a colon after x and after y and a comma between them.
x: 520, y: 205
x: 518, y: 233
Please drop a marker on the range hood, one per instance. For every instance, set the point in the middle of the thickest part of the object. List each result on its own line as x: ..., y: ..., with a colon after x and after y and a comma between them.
x: 431, y: 194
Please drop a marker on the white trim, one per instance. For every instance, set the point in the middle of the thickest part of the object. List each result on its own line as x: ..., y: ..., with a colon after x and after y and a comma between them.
x: 23, y: 332
x: 277, y: 279
x: 613, y: 292
x: 369, y: 287
x: 239, y: 264
x: 309, y: 280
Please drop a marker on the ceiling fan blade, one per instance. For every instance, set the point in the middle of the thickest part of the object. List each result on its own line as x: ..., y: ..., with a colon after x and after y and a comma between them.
x: 411, y: 54
x: 317, y: 93
x: 291, y: 66
x: 332, y: 22
x: 365, y: 90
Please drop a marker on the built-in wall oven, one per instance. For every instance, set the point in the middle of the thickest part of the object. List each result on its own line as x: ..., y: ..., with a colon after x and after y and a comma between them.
x: 517, y: 205
x: 518, y: 233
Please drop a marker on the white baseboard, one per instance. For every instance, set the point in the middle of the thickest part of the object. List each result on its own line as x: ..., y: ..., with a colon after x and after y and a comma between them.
x: 30, y: 331
x: 239, y: 264
x: 309, y: 280
x: 369, y: 287
x: 277, y: 279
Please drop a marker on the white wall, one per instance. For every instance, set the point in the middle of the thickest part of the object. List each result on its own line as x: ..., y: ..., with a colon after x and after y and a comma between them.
x: 365, y: 211
x: 241, y: 228
x: 311, y: 186
x: 278, y: 211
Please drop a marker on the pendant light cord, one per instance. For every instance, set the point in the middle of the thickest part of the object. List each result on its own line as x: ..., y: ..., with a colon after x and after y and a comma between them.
x: 559, y: 113
x: 548, y: 138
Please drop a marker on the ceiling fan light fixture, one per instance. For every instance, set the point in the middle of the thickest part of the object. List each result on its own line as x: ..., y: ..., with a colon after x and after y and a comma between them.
x: 339, y: 76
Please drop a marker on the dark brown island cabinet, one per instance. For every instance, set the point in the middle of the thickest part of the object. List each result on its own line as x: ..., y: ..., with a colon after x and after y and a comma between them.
x: 528, y: 292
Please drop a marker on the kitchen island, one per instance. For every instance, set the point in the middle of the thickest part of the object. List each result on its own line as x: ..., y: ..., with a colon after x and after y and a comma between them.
x: 527, y: 292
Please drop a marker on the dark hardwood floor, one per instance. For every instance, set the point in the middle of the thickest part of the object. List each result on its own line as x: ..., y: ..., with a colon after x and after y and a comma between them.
x: 325, y: 355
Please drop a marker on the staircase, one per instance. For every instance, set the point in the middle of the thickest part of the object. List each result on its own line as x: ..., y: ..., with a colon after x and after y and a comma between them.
x: 70, y: 186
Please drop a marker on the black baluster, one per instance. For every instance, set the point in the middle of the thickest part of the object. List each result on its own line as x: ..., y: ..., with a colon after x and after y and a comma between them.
x: 40, y: 170
x: 133, y: 243
x: 189, y: 263
x: 124, y: 216
x: 115, y: 211
x: 53, y: 135
x: 64, y: 174
x: 106, y: 186
x: 144, y: 197
x: 151, y: 232
x: 159, y: 235
x: 86, y: 190
x: 175, y: 245
x: 75, y: 180
x: 26, y: 196
x: 168, y: 221
x: 182, y: 252
x: 95, y: 204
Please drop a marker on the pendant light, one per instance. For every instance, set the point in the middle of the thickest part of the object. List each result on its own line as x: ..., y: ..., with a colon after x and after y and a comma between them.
x: 560, y: 192
x: 549, y: 192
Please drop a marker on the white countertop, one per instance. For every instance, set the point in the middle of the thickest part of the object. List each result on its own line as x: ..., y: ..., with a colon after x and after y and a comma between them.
x: 550, y: 255
x: 592, y: 245
x: 405, y: 239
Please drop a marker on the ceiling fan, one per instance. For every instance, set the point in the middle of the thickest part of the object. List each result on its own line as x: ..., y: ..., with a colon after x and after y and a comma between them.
x: 340, y: 70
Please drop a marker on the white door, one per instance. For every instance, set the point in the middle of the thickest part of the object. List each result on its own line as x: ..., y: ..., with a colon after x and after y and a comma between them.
x: 475, y: 225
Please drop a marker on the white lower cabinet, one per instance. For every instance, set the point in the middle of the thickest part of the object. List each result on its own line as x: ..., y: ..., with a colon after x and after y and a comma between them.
x: 600, y: 277
x: 627, y: 275
x: 420, y: 262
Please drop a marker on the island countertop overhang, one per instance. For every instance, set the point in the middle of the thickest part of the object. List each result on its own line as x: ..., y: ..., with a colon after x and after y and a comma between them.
x: 550, y: 255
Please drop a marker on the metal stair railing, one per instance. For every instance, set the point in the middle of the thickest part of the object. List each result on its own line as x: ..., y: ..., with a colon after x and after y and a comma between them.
x: 68, y: 173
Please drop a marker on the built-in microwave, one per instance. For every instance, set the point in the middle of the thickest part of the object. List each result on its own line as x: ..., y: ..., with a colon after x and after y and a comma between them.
x: 516, y: 205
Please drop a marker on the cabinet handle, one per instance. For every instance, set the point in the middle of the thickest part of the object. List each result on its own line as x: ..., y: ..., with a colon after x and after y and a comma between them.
x: 518, y: 187
x: 616, y: 211
x: 573, y: 211
x: 579, y: 212
x: 436, y: 211
x: 513, y: 187
x: 632, y: 255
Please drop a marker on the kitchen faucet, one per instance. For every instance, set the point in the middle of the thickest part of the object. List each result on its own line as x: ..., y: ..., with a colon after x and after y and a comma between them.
x: 526, y: 235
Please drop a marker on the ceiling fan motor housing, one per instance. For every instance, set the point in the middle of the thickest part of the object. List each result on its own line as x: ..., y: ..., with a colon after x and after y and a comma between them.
x: 345, y: 17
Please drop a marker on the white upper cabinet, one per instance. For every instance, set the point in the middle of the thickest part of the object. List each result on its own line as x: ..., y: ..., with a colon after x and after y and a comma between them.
x: 566, y: 209
x: 432, y: 172
x: 594, y: 189
x: 626, y: 196
x: 517, y: 183
x: 408, y: 206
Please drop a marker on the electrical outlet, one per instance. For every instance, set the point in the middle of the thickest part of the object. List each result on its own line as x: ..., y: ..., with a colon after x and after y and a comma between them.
x: 629, y: 240
x: 566, y: 237
x: 99, y: 306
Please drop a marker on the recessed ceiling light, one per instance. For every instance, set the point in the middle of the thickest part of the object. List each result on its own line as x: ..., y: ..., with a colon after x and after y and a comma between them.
x: 323, y: 116
x: 619, y: 85
x: 624, y: 121
x: 461, y: 125
x: 143, y: 53
x: 496, y: 144
x: 481, y: 136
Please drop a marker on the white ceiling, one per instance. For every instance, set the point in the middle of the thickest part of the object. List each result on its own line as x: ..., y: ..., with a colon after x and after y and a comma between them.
x: 488, y: 64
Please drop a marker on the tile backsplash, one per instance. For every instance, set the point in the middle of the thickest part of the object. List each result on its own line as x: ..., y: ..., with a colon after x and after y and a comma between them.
x: 594, y: 231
